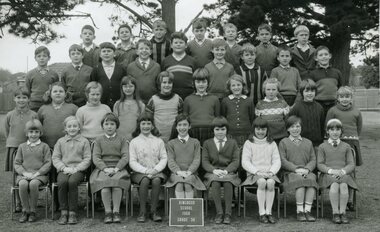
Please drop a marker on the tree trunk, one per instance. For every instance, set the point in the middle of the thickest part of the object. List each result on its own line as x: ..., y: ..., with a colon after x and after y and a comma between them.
x: 168, y: 14
x: 340, y: 49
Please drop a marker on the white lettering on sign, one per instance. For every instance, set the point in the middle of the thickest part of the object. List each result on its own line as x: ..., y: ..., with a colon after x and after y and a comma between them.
x: 187, y: 202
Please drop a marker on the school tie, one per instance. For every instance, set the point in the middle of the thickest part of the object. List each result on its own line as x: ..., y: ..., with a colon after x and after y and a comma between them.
x: 182, y: 141
x: 335, y: 143
x: 220, y: 144
x: 77, y: 67
x: 143, y: 64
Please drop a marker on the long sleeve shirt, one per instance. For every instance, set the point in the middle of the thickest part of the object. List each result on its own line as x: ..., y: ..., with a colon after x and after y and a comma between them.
x: 33, y: 159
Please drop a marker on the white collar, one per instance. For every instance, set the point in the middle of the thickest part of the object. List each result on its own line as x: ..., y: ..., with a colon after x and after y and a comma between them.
x: 203, y: 94
x: 295, y: 138
x: 112, y: 65
x: 33, y: 144
x: 331, y: 141
x: 110, y: 136
x: 285, y: 67
x: 145, y: 61
x: 178, y: 58
x: 231, y: 96
x: 75, y: 65
x: 201, y: 41
x: 267, y: 100
x: 217, y: 140
x: 251, y: 66
x: 186, y: 138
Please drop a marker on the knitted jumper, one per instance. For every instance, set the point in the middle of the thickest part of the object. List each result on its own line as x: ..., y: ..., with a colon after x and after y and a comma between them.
x: 303, y: 65
x: 297, y: 156
x: 328, y: 80
x: 90, y: 118
x: 266, y: 57
x: 201, y: 109
x: 239, y: 113
x: 14, y: 125
x: 33, y: 159
x: 228, y: 158
x: 289, y: 78
x: 201, y: 52
x: 219, y: 78
x: 184, y: 156
x: 339, y: 157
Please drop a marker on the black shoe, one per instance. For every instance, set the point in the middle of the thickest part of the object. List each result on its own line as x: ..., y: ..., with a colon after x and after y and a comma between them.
x: 227, y: 219
x: 116, y: 217
x: 350, y: 206
x: 108, y: 218
x: 141, y: 217
x: 301, y: 217
x: 309, y: 217
x: 263, y: 219
x: 155, y: 217
x: 336, y: 219
x: 271, y: 219
x: 344, y: 219
x: 72, y: 218
x: 218, y: 218
x: 24, y: 217
x: 32, y: 217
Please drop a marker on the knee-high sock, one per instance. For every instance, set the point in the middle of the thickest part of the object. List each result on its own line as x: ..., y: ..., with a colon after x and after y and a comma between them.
x: 309, y: 197
x: 116, y: 199
x: 269, y: 196
x: 261, y: 189
x: 106, y: 199
x: 343, y: 198
x: 334, y: 197
x: 179, y: 191
x: 189, y: 191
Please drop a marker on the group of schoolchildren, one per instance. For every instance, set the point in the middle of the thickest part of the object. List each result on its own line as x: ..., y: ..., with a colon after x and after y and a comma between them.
x: 195, y: 115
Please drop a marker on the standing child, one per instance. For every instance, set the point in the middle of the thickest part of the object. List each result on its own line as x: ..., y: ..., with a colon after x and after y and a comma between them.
x: 298, y: 162
x: 32, y: 163
x: 303, y: 52
x: 91, y: 52
x: 262, y: 161
x: 220, y: 160
x: 76, y: 76
x: 14, y: 125
x: 233, y: 49
x: 288, y: 76
x: 108, y: 74
x: 266, y: 51
x: 129, y: 107
x: 110, y: 156
x: 165, y: 106
x: 201, y: 107
x: 38, y: 80
x: 311, y: 113
x: 54, y: 113
x: 200, y: 47
x: 71, y: 157
x: 336, y: 163
x: 180, y: 64
x: 327, y: 79
x: 125, y: 51
x: 273, y: 110
x: 91, y: 114
x: 148, y: 159
x: 145, y: 70
x: 161, y: 45
x: 253, y: 75
x: 238, y: 109
x: 219, y: 70
x: 184, y: 158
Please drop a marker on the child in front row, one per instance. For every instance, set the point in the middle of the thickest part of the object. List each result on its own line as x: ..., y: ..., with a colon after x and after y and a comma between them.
x: 165, y: 106
x: 201, y: 107
x: 32, y: 163
x: 38, y: 80
x: 336, y: 164
x: 148, y: 159
x: 71, y: 157
x: 184, y: 158
x: 262, y: 161
x: 273, y: 109
x: 288, y: 76
x: 220, y: 160
x: 110, y: 177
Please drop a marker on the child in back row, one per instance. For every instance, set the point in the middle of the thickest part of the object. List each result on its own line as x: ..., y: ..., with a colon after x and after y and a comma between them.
x: 91, y: 52
x: 76, y: 76
x: 201, y: 107
x: 165, y: 106
x: 232, y: 48
x: 253, y: 75
x: 218, y: 69
x: 32, y: 163
x: 38, y: 80
x: 180, y: 64
x: 161, y: 47
x: 266, y: 52
x: 144, y: 70
x: 288, y: 76
x: 125, y: 51
x: 200, y: 47
x: 129, y: 107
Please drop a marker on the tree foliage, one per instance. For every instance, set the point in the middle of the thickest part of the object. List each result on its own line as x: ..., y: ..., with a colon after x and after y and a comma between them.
x: 370, y: 72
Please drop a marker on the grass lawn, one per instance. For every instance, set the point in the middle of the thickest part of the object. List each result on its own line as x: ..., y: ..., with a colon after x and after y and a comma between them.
x: 368, y: 200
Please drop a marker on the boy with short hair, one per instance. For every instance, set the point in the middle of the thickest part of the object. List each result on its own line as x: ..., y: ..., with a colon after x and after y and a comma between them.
x: 303, y: 52
x: 219, y: 70
x: 125, y: 50
x: 39, y: 79
x: 233, y: 48
x: 181, y: 65
x: 266, y: 52
x: 76, y: 75
x: 251, y: 72
x: 145, y: 70
x: 160, y: 44
x: 91, y: 52
x: 200, y: 47
x: 288, y: 76
x: 108, y: 74
x: 327, y: 78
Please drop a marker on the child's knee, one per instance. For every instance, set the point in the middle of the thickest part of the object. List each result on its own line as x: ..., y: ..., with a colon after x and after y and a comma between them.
x: 106, y: 190
x: 188, y: 188
x: 343, y: 188
x: 156, y: 181
x: 23, y: 184
x: 261, y: 183
x: 270, y: 184
x: 334, y: 188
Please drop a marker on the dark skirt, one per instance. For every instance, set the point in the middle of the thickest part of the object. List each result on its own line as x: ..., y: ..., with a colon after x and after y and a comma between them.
x: 233, y: 178
x: 252, y: 179
x: 356, y: 146
x: 44, y: 179
x: 325, y: 180
x: 10, y: 155
x: 193, y: 180
x: 137, y: 177
x: 294, y: 181
x: 99, y: 180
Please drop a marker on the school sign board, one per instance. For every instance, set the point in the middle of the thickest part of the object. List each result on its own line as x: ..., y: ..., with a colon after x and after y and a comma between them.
x: 186, y: 212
